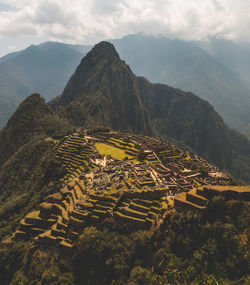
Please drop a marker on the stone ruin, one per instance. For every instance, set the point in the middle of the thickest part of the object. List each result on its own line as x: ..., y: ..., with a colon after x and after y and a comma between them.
x: 134, y: 192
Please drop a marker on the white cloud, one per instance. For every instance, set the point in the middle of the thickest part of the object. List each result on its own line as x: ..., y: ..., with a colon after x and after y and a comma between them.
x: 88, y: 21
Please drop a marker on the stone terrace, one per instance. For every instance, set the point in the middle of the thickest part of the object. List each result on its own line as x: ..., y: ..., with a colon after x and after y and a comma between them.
x: 197, y: 199
x: 106, y: 180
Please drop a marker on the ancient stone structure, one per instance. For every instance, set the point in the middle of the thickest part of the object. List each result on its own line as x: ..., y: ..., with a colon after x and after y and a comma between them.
x: 124, y: 177
x: 197, y: 199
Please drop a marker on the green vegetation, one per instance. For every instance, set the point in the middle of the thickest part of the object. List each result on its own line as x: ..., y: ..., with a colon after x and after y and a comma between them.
x: 111, y: 150
x: 40, y: 268
x: 203, y: 170
x: 32, y: 118
x: 189, y: 249
x: 33, y: 173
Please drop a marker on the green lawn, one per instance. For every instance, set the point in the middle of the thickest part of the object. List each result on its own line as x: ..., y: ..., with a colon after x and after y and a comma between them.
x: 111, y: 150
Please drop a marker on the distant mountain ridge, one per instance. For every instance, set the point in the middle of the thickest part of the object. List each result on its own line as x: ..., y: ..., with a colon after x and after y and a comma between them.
x: 197, y: 67
x: 235, y: 56
x: 44, y: 69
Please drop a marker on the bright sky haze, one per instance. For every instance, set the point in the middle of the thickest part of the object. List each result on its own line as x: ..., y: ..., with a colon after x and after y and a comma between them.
x: 25, y: 22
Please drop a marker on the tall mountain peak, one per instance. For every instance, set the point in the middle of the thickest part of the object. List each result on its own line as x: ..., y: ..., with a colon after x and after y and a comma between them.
x: 103, y: 50
x: 102, y: 54
x: 103, y: 89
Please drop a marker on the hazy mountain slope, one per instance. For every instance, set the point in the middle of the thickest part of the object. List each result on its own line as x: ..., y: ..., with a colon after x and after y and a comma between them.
x: 13, y: 87
x: 7, y: 108
x: 186, y: 66
x: 104, y: 90
x: 235, y: 56
x: 187, y: 119
x: 44, y: 69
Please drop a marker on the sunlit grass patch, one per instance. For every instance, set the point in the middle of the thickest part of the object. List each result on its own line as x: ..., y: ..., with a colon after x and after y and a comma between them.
x: 111, y: 150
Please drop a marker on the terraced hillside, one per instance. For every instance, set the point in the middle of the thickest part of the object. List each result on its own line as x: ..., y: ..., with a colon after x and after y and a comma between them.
x: 74, y: 154
x: 197, y: 199
x: 128, y: 181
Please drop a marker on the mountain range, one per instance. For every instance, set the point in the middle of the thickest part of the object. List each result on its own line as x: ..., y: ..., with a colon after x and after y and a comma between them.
x: 44, y: 69
x: 187, y: 66
x: 104, y: 91
x: 235, y: 56
x: 191, y: 66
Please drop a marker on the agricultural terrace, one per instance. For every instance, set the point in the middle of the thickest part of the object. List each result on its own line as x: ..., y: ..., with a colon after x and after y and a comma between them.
x: 101, y: 186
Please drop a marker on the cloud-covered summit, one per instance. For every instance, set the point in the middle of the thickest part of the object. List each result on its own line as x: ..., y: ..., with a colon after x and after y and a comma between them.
x: 89, y: 21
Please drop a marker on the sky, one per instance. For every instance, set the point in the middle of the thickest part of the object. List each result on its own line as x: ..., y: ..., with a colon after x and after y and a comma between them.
x: 26, y: 22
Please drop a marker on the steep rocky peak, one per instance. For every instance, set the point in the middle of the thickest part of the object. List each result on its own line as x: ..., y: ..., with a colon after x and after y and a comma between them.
x: 101, y: 51
x: 106, y: 91
x: 100, y: 63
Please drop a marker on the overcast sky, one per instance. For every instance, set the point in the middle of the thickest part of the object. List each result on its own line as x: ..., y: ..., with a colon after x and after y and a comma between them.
x: 25, y: 22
